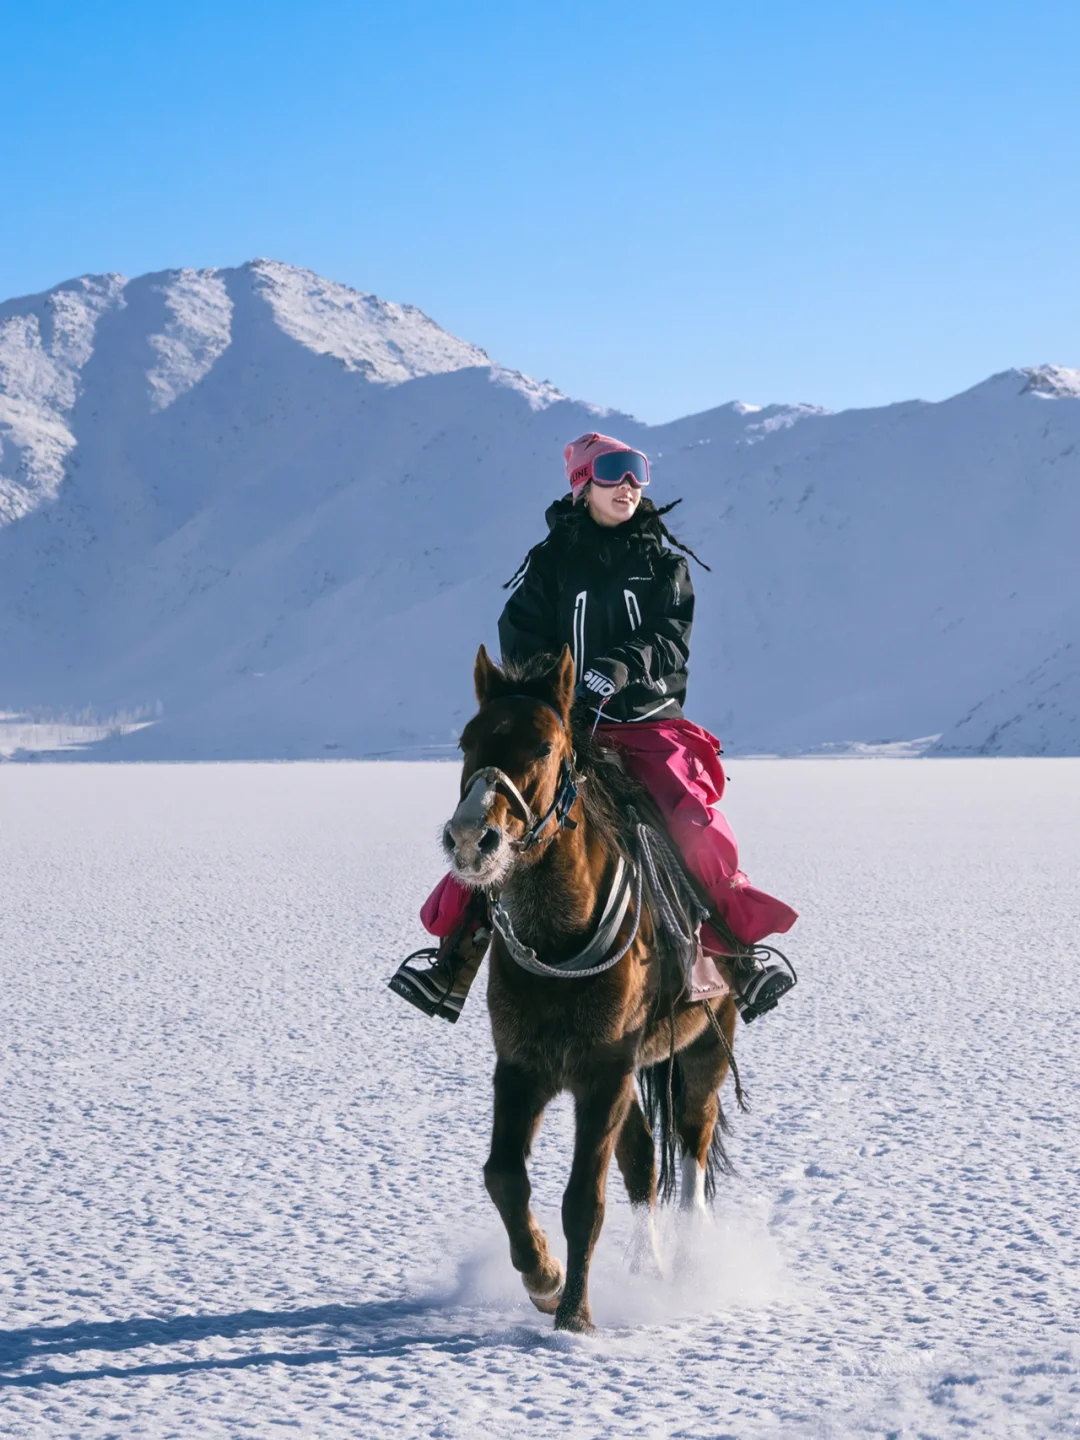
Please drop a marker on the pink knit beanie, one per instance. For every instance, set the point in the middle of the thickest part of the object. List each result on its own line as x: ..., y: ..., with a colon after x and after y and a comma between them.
x: 580, y: 454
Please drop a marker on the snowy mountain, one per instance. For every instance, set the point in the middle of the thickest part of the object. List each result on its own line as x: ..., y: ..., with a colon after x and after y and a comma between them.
x: 279, y: 512
x: 1038, y: 714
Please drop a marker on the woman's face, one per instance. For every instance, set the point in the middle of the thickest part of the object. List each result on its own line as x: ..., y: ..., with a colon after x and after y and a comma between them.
x: 612, y: 504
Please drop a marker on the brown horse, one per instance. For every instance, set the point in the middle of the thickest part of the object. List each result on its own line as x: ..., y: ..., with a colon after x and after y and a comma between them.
x: 555, y: 857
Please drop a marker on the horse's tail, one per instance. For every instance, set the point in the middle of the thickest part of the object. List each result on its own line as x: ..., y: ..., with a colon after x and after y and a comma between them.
x: 719, y: 1162
x: 662, y: 1090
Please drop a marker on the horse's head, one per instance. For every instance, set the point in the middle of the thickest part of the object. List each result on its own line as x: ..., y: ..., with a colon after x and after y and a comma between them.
x: 518, y: 770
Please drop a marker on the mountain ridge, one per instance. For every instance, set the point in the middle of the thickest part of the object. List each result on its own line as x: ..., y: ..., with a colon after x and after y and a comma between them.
x: 230, y: 490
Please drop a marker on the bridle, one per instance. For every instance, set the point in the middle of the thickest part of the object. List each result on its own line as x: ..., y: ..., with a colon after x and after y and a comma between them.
x: 566, y: 789
x: 596, y: 955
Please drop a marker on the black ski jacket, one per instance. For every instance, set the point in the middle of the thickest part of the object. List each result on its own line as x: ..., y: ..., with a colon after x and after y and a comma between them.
x: 618, y: 597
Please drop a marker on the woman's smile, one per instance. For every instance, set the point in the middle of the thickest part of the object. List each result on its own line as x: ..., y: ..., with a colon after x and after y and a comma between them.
x: 612, y: 504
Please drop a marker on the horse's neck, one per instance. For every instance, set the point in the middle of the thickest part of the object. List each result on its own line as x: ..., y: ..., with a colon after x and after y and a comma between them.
x: 557, y: 899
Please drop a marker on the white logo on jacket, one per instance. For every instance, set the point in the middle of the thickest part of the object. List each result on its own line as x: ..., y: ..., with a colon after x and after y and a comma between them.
x: 598, y: 684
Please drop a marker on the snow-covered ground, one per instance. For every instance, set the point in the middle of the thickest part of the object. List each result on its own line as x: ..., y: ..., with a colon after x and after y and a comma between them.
x: 240, y: 1187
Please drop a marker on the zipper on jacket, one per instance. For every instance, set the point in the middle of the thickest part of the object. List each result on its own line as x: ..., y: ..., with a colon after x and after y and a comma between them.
x: 633, y: 609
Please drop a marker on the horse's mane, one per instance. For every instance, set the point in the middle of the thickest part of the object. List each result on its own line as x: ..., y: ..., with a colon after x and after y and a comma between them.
x: 609, y: 791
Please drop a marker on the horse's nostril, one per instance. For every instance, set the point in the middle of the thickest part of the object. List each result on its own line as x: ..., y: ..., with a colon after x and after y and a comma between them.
x: 448, y: 838
x: 489, y: 841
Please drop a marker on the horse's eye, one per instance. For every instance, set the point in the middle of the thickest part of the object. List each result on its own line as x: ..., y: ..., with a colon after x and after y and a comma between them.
x: 544, y: 749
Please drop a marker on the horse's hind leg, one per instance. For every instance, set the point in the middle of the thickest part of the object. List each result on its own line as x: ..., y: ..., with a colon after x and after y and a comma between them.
x: 520, y: 1099
x: 635, y: 1153
x: 601, y: 1105
x: 699, y: 1120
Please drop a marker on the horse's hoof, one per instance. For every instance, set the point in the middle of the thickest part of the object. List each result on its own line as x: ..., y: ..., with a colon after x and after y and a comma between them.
x: 645, y: 1267
x: 578, y: 1323
x: 547, y: 1301
x: 643, y: 1252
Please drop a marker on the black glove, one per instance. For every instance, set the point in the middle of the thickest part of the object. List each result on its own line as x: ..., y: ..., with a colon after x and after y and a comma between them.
x: 602, y: 679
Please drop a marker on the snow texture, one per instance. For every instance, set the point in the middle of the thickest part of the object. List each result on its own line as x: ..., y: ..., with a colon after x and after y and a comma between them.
x: 195, y: 335
x: 387, y: 343
x: 21, y: 738
x: 282, y: 511
x: 45, y: 342
x: 242, y: 1182
x: 1039, y: 714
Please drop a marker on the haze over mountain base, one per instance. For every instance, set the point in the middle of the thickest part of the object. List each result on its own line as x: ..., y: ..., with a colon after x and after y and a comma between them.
x: 278, y: 513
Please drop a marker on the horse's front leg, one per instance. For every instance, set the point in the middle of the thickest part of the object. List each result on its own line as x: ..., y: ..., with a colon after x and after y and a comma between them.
x: 520, y: 1098
x: 601, y: 1105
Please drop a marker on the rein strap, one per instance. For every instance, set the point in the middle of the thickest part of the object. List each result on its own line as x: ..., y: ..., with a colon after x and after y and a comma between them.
x: 590, y: 960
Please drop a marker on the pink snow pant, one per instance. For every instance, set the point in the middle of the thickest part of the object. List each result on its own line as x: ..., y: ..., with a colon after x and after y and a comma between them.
x: 679, y: 764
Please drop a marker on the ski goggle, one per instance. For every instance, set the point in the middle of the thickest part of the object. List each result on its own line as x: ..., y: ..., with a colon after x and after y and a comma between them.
x: 620, y: 465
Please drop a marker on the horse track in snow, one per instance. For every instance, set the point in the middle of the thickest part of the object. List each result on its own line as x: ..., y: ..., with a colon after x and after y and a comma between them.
x: 241, y: 1182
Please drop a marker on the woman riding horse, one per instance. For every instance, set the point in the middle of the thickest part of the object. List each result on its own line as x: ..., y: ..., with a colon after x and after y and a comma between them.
x: 604, y: 583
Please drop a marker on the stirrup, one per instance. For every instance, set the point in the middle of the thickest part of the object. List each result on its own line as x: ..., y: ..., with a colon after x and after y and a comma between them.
x: 768, y: 982
x: 429, y: 988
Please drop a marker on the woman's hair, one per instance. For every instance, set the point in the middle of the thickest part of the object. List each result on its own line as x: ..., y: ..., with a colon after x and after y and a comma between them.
x: 571, y: 517
x: 660, y: 510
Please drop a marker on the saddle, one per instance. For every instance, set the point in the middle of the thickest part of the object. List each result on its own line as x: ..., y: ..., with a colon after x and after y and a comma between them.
x: 650, y: 870
x: 677, y: 902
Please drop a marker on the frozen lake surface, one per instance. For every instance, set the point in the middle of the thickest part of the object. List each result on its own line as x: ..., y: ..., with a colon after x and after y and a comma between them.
x: 241, y: 1187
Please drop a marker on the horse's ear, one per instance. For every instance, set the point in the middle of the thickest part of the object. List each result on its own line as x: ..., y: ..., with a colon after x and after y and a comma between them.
x: 487, y: 676
x: 561, y: 676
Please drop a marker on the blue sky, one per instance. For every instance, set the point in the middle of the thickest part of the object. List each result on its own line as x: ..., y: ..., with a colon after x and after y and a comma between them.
x: 659, y: 207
